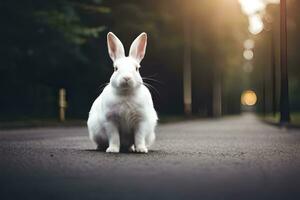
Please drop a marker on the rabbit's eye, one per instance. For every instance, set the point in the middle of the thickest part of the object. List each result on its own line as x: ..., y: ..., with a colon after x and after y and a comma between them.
x: 116, y: 68
x: 137, y: 69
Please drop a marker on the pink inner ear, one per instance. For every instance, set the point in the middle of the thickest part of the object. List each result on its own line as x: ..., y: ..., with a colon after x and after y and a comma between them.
x: 141, y: 48
x: 112, y: 47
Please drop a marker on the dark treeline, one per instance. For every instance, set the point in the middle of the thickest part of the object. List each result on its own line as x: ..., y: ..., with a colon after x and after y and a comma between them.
x: 267, y: 59
x: 47, y: 45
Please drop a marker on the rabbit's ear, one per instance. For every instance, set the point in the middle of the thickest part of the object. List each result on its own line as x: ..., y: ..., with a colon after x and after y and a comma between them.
x: 138, y: 47
x: 115, y: 47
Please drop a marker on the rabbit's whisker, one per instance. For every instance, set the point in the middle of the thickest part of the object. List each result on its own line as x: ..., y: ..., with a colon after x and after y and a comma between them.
x: 151, y: 79
x: 151, y: 87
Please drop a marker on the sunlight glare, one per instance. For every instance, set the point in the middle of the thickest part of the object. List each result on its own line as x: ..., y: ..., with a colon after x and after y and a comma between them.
x: 251, y: 7
x: 256, y: 24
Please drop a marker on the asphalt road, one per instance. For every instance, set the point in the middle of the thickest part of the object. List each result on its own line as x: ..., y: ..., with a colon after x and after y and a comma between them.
x: 231, y: 158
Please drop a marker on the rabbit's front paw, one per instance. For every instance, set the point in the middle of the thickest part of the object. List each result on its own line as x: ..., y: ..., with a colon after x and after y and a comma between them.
x: 141, y: 149
x: 113, y: 149
x: 131, y: 148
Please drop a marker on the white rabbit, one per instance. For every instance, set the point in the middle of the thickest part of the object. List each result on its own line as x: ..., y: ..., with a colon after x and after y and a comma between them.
x: 123, y: 115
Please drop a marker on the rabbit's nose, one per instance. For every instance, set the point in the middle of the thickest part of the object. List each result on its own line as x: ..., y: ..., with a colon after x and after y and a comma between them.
x: 126, y: 78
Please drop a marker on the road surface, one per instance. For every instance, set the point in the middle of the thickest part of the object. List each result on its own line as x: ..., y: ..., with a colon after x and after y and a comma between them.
x: 231, y: 158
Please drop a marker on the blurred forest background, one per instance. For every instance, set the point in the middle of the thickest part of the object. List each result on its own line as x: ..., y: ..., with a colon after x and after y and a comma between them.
x: 52, y: 44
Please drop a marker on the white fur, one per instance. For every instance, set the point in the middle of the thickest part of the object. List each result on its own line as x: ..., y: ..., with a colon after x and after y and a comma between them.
x: 123, y: 115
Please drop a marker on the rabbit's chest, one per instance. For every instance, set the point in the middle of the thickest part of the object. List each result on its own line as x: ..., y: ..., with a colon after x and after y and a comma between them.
x: 124, y: 113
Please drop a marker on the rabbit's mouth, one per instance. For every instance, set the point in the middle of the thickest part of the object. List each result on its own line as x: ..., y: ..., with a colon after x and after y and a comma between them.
x: 126, y: 85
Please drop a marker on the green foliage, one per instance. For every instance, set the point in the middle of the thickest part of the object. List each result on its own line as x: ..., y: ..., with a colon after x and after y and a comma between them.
x: 46, y: 46
x: 68, y: 23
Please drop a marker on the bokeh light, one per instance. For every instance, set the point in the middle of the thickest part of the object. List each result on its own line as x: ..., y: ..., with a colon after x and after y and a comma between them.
x: 249, y: 44
x: 248, y: 98
x: 256, y: 24
x: 248, y: 54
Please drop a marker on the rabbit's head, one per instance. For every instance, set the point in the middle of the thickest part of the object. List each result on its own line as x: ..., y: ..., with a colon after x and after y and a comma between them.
x: 126, y: 74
